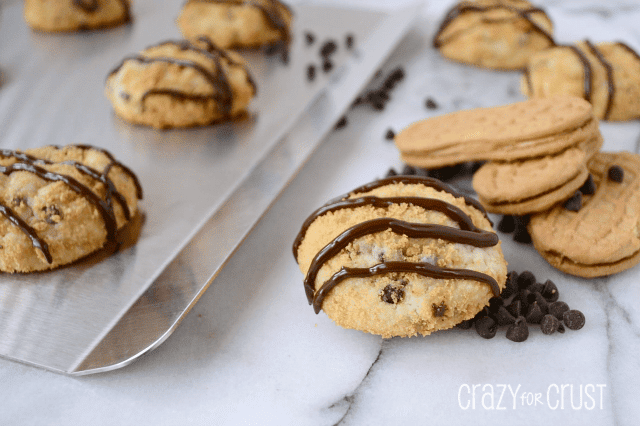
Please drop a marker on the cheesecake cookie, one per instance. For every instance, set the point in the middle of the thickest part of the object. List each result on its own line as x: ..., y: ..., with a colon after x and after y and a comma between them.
x: 237, y: 23
x: 499, y: 34
x: 600, y: 236
x: 401, y: 256
x: 605, y: 74
x: 60, y: 204
x: 180, y: 84
x: 75, y: 15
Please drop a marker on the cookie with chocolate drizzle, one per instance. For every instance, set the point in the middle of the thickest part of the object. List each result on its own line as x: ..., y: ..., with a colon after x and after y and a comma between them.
x: 237, y: 23
x: 180, y: 84
x: 401, y: 256
x: 499, y: 34
x: 76, y: 15
x: 60, y: 204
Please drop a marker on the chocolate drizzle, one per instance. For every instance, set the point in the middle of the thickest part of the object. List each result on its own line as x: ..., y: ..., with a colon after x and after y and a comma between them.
x: 588, y: 72
x: 468, y: 233
x: 462, y: 8
x: 609, y: 70
x: 31, y: 164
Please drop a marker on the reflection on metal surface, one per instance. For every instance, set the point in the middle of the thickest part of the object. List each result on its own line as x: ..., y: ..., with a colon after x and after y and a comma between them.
x: 204, y: 188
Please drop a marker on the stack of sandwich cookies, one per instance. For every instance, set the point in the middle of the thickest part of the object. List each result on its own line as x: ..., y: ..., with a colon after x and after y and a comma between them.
x: 599, y: 237
x: 399, y: 257
x: 180, y: 84
x: 605, y: 74
x: 60, y: 204
x: 75, y: 15
x: 500, y: 34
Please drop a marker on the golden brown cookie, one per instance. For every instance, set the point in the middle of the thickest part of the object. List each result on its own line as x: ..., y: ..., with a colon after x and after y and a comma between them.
x: 75, y: 15
x: 532, y: 128
x: 399, y: 257
x: 605, y: 74
x: 500, y: 34
x: 180, y: 84
x: 236, y: 23
x: 60, y: 204
x: 601, y: 238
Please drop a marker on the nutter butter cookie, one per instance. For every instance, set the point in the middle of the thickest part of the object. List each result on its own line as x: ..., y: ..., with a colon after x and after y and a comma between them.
x: 75, y: 15
x: 180, y: 84
x: 605, y: 74
x: 401, y: 256
x: 500, y: 34
x: 601, y: 237
x: 60, y: 204
x: 237, y: 23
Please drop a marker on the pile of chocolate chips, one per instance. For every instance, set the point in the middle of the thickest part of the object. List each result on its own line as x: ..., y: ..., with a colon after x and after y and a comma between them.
x: 516, y: 225
x: 379, y: 96
x: 326, y: 52
x: 443, y: 173
x: 525, y: 302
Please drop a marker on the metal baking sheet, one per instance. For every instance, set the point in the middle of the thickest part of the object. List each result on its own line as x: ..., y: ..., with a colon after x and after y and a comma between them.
x: 51, y: 93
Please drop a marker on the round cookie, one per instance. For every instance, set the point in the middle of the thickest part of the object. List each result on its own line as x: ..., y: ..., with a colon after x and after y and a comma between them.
x: 180, y: 84
x: 401, y: 256
x: 605, y: 74
x: 236, y: 23
x: 602, y: 237
x: 60, y: 204
x: 499, y: 34
x: 75, y: 15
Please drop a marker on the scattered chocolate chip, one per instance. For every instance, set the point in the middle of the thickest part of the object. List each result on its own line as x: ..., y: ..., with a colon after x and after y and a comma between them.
x: 378, y: 97
x: 557, y: 309
x: 392, y: 294
x: 518, y: 331
x: 560, y: 328
x: 549, y: 324
x: 574, y: 203
x: 589, y: 186
x: 486, y: 327
x: 391, y: 172
x: 390, y: 135
x: 507, y: 224
x: 396, y: 76
x: 328, y: 49
x: 465, y: 325
x: 349, y: 41
x: 341, y: 123
x: 311, y: 72
x: 573, y: 319
x: 534, y: 314
x: 521, y: 234
x: 327, y: 66
x: 523, y: 296
x: 408, y: 170
x: 511, y: 285
x: 542, y: 302
x: 495, y: 303
x: 439, y: 310
x: 616, y: 174
x: 309, y: 38
x: 526, y: 279
x: 536, y: 288
x: 430, y: 104
x: 503, y: 317
x: 515, y: 308
x: 550, y: 291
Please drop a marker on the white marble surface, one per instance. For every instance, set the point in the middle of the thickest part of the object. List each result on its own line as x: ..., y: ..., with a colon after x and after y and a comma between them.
x: 253, y: 352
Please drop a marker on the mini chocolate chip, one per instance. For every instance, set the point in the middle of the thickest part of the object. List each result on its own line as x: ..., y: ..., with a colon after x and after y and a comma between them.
x: 550, y: 291
x: 341, y: 123
x: 486, y: 327
x: 311, y: 72
x: 535, y: 314
x: 503, y: 317
x: 309, y: 38
x: 557, y: 309
x: 328, y: 49
x: 495, y: 303
x: 549, y: 324
x: 465, y: 325
x: 349, y: 41
x: 616, y: 174
x: 589, y: 186
x: 574, y: 203
x: 391, y: 172
x: 523, y: 297
x: 392, y: 294
x: 327, y: 66
x: 408, y: 170
x: 390, y: 135
x: 526, y: 279
x: 542, y: 302
x: 507, y: 224
x: 515, y: 308
x: 511, y: 285
x: 521, y: 234
x: 536, y: 288
x: 439, y: 310
x: 573, y: 319
x: 518, y: 331
x: 560, y: 328
x: 430, y: 104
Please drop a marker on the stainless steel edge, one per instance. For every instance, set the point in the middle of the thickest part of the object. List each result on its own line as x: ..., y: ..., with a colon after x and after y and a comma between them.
x: 152, y: 319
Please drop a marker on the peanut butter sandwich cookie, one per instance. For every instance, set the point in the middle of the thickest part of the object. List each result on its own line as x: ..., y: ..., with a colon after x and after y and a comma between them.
x: 499, y: 34
x: 598, y: 236
x: 237, y: 23
x: 400, y: 256
x: 180, y: 84
x: 75, y: 15
x: 60, y: 204
x: 605, y: 74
